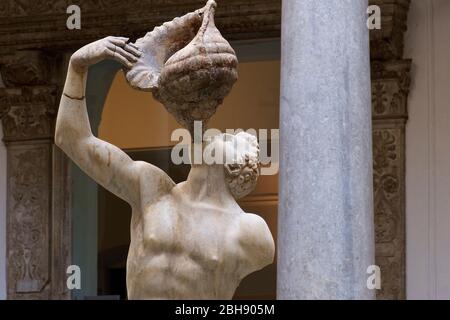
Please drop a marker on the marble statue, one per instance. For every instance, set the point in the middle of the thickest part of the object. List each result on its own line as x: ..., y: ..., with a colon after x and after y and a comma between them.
x: 189, y: 240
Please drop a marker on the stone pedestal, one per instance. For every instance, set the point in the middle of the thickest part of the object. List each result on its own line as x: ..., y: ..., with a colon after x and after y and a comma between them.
x: 325, y: 236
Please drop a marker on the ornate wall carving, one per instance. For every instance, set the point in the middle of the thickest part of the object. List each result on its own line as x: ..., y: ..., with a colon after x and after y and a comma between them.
x: 31, y: 113
x: 42, y: 23
x: 390, y: 87
x: 387, y: 42
x: 28, y: 228
x: 25, y: 68
x: 36, y: 216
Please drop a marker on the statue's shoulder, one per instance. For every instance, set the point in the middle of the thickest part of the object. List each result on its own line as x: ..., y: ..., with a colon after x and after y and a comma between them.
x: 257, y: 240
x: 253, y: 221
x: 153, y: 181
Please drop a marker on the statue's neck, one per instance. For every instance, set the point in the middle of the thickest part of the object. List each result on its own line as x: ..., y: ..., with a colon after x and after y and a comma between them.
x: 207, y: 183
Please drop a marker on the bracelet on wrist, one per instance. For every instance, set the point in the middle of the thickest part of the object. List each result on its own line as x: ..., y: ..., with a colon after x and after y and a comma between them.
x: 73, y: 98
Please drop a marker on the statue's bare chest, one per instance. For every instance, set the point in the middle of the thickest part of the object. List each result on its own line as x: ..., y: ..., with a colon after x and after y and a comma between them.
x: 195, y: 231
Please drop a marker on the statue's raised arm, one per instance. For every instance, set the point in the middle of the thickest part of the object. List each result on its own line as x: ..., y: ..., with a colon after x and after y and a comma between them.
x: 142, y: 61
x: 104, y: 162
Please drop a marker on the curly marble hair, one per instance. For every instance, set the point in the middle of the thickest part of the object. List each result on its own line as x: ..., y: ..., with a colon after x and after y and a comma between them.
x: 242, y: 173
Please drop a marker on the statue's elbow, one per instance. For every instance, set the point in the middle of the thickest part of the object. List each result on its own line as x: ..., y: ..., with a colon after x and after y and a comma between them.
x: 58, y: 140
x: 59, y: 137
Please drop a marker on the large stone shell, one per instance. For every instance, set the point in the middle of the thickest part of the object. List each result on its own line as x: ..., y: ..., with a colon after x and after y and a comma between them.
x: 190, y: 79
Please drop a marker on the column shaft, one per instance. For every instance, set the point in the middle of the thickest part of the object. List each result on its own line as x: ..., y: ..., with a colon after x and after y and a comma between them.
x: 325, y: 238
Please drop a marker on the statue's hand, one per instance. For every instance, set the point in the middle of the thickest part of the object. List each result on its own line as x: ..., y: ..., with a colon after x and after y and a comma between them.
x: 115, y: 48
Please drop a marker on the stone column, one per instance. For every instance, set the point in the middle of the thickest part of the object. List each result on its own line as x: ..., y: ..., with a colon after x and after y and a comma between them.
x: 325, y: 236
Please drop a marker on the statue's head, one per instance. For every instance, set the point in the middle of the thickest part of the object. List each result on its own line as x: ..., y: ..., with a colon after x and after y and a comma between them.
x: 239, y: 155
x: 187, y: 65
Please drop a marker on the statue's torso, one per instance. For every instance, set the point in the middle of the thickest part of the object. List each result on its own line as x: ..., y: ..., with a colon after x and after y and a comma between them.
x: 182, y: 249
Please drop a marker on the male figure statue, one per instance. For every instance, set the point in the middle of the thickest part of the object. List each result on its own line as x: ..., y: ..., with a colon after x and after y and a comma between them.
x: 189, y: 240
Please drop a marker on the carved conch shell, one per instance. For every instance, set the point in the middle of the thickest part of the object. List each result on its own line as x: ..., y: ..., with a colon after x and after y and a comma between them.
x: 188, y: 65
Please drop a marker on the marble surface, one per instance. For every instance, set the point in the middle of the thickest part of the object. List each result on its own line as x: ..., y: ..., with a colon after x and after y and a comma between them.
x: 325, y: 235
x: 189, y: 240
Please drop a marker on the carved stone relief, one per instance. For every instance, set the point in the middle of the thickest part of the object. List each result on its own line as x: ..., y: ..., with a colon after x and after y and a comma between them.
x: 387, y: 43
x: 44, y: 21
x: 389, y: 211
x: 390, y: 87
x: 36, y: 213
x: 31, y: 112
x: 29, y: 226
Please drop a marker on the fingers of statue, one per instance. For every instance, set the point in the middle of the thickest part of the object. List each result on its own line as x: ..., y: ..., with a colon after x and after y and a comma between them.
x: 129, y: 50
x: 111, y: 53
x: 120, y: 55
x: 133, y: 49
x: 134, y: 46
x: 115, y: 48
x: 118, y: 50
x: 119, y: 41
x: 130, y: 47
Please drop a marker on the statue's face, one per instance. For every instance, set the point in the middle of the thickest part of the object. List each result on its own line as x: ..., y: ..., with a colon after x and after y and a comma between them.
x: 240, y: 157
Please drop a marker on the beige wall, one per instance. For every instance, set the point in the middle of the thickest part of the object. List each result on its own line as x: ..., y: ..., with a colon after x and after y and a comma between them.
x: 133, y: 119
x: 428, y: 151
